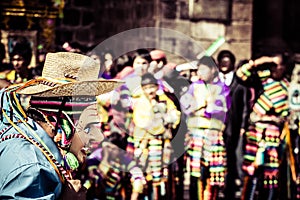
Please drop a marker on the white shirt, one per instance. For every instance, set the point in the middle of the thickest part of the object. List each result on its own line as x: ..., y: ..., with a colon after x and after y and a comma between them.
x: 226, y: 78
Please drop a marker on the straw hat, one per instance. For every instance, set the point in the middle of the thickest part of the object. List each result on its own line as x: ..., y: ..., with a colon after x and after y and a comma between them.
x: 68, y: 74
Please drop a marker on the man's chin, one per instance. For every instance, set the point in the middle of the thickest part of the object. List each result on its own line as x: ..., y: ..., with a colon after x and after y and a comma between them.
x: 225, y: 70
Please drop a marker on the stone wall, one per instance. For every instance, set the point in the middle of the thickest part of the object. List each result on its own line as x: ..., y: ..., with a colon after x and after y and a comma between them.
x: 237, y: 30
x: 90, y: 22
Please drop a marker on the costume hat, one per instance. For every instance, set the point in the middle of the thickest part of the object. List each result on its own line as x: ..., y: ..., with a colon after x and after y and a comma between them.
x: 68, y: 74
x: 157, y: 54
x: 148, y: 78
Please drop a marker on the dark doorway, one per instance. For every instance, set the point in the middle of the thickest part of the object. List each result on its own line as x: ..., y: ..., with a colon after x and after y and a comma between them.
x: 276, y: 19
x: 267, y: 22
x: 291, y: 24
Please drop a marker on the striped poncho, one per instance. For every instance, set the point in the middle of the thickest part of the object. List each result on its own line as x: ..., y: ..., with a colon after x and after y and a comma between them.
x: 263, y: 137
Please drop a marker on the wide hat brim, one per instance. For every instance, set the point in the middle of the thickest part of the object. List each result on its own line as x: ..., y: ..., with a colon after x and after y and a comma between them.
x: 77, y: 88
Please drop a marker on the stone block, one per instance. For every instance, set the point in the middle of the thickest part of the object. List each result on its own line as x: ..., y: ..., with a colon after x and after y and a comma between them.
x: 239, y: 31
x: 183, y: 26
x: 242, y: 11
x: 207, y: 30
x: 184, y: 10
x: 209, y: 9
x: 169, y: 9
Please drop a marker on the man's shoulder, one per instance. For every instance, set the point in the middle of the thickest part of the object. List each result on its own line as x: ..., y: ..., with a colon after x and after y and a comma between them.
x: 18, y: 154
x: 24, y: 169
x: 17, y: 149
x: 7, y: 74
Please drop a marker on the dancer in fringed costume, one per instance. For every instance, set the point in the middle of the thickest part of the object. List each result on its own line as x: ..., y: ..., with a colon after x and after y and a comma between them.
x: 153, y: 116
x: 264, y: 135
x: 206, y: 104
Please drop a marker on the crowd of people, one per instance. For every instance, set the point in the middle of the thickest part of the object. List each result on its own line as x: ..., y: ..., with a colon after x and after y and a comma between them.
x: 89, y: 126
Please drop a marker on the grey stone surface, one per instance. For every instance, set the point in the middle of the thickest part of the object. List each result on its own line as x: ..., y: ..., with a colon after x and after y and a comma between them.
x: 95, y: 21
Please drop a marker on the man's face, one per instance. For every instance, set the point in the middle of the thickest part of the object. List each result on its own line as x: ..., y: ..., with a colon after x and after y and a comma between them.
x: 225, y: 65
x: 140, y: 65
x: 87, y: 131
x: 18, y: 63
x: 278, y: 70
x: 206, y: 73
x: 150, y: 90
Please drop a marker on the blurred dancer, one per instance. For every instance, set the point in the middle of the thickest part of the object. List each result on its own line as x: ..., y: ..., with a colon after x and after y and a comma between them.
x: 206, y: 104
x: 264, y: 134
x: 154, y: 115
x: 20, y: 58
x: 108, y: 167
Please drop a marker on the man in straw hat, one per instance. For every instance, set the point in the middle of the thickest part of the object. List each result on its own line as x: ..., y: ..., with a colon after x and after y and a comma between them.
x: 42, y: 140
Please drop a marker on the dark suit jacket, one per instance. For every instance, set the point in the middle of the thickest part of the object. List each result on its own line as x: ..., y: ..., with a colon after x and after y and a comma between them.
x: 238, y: 114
